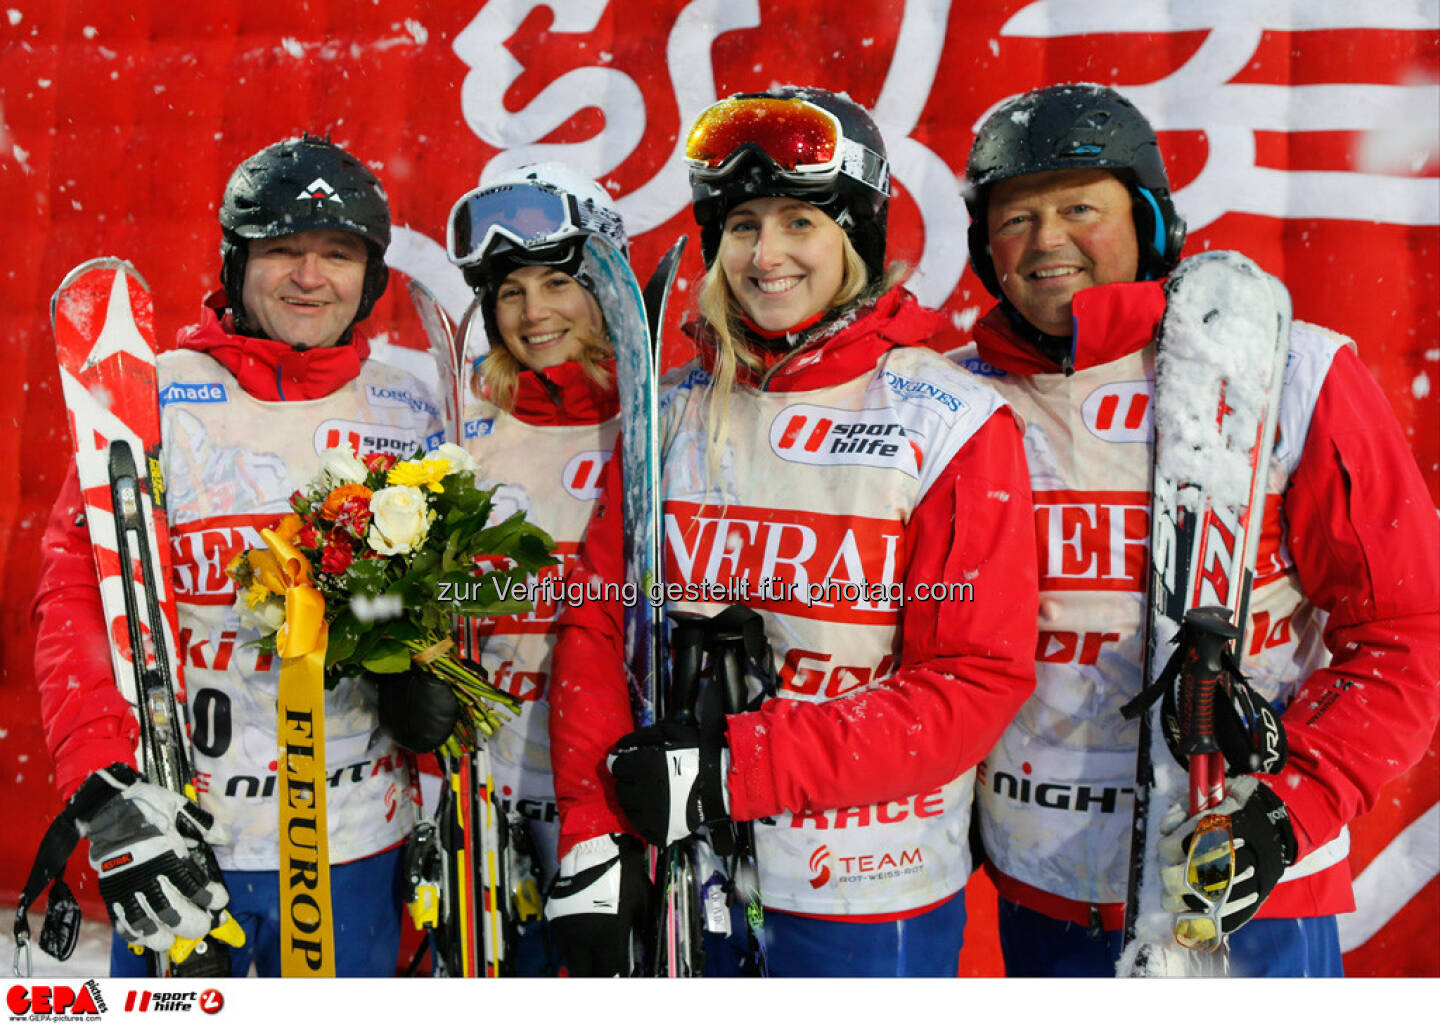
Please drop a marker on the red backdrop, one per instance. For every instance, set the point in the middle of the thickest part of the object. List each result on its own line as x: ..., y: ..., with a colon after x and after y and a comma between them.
x: 1307, y: 139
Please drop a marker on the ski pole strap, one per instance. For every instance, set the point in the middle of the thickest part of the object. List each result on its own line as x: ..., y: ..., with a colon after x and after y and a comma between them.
x: 62, y: 916
x: 307, y: 932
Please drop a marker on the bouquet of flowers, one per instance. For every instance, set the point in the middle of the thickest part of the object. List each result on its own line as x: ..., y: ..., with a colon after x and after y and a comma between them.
x: 392, y: 547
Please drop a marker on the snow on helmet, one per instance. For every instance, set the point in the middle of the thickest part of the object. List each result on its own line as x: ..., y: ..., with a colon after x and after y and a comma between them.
x: 304, y: 184
x: 1074, y: 127
x: 538, y: 216
x: 807, y: 143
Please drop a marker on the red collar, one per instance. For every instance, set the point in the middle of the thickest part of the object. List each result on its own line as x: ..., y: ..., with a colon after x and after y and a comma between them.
x: 271, y: 370
x: 895, y: 320
x: 1111, y: 321
x: 565, y: 396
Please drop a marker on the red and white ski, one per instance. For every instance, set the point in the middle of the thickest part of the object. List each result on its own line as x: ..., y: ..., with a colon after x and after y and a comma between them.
x: 105, y: 339
x: 104, y: 328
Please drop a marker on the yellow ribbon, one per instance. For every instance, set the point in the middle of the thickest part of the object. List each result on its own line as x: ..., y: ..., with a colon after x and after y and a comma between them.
x: 307, y: 933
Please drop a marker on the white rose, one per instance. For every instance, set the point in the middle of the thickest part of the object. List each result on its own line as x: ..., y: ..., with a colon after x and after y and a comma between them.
x: 265, y: 618
x: 340, y: 466
x: 460, y: 460
x: 400, y: 520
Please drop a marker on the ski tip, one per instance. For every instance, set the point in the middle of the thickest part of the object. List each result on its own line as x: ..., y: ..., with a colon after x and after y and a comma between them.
x: 91, y: 266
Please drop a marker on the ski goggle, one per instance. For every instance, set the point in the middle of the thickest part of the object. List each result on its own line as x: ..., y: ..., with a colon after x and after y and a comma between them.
x: 1209, y: 874
x: 804, y: 143
x: 529, y: 214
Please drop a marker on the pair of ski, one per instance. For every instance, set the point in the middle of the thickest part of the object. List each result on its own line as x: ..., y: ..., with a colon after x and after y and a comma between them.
x: 475, y: 920
x: 1219, y: 367
x: 103, y: 323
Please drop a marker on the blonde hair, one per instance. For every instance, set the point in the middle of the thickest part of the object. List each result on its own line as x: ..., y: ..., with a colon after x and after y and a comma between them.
x: 720, y: 310
x: 498, y: 378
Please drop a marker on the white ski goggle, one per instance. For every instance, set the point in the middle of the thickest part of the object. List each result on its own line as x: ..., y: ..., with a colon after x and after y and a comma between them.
x: 528, y: 214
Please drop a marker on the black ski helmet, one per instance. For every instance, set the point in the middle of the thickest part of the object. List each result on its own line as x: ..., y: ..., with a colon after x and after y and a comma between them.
x: 859, y: 208
x: 303, y: 184
x: 1074, y: 127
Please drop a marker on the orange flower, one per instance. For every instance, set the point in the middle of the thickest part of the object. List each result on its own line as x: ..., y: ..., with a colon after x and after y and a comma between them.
x: 289, y: 526
x: 339, y: 496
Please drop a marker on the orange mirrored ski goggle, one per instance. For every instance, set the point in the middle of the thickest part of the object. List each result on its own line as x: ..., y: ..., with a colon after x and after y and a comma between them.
x: 804, y: 142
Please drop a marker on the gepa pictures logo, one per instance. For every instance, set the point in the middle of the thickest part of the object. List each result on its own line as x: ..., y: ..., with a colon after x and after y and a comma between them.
x: 55, y: 1002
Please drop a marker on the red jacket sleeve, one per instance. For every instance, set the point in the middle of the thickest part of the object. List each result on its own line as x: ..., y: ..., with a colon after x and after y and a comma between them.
x: 589, y: 700
x: 88, y: 724
x: 965, y: 666
x: 1364, y: 536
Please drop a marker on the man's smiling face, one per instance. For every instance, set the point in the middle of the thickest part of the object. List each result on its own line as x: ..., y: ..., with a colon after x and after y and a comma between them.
x: 304, y: 289
x: 1054, y: 233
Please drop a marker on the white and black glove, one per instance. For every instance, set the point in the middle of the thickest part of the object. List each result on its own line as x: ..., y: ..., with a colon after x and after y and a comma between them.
x: 669, y: 783
x: 1264, y: 845
x: 141, y: 842
x: 599, y: 905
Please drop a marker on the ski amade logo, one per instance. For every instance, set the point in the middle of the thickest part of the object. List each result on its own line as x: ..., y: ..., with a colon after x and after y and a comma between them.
x: 55, y: 1002
x: 820, y: 436
x: 206, y: 393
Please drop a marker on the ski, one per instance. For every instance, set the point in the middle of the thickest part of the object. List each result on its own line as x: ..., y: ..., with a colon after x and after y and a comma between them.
x: 636, y: 372
x: 1219, y: 367
x: 103, y: 323
x: 656, y: 295
x: 472, y: 929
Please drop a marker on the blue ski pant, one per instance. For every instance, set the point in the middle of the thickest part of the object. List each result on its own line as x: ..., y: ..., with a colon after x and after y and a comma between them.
x: 367, y: 902
x: 1035, y: 945
x: 924, y: 946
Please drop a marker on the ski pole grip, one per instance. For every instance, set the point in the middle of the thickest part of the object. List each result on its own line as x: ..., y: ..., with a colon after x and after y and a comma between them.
x: 688, y: 649
x: 1206, y: 634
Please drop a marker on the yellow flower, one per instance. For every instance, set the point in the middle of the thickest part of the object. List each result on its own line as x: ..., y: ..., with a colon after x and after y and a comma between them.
x: 256, y: 593
x: 425, y: 473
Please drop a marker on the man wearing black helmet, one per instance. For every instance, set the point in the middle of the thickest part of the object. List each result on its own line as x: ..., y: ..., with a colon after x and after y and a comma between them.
x: 1072, y: 228
x: 275, y: 373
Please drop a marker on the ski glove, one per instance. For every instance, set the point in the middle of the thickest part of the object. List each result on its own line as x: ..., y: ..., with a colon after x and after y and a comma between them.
x: 598, y: 906
x: 1264, y: 846
x: 141, y: 842
x: 1249, y: 733
x: 416, y: 708
x: 668, y: 782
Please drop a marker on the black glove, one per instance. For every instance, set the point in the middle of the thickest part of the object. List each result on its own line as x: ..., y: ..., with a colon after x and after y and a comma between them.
x: 416, y: 708
x: 668, y: 782
x: 599, y: 905
x: 1264, y: 844
x: 141, y: 841
x: 1249, y: 732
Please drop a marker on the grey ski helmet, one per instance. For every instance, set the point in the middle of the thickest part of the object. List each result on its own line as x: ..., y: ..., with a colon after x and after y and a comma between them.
x: 855, y: 194
x: 303, y: 184
x: 1074, y: 127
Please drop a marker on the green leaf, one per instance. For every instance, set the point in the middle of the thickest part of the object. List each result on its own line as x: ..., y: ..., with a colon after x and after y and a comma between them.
x: 388, y: 656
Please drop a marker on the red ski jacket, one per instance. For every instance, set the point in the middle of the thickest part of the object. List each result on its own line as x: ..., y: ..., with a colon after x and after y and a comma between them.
x: 1345, y: 615
x: 88, y: 724
x: 957, y: 672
